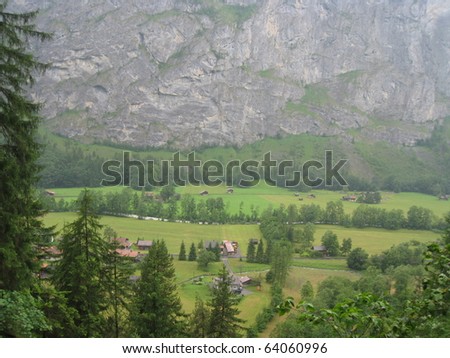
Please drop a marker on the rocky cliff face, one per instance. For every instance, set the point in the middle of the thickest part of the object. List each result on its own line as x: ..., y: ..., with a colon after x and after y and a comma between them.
x: 186, y: 73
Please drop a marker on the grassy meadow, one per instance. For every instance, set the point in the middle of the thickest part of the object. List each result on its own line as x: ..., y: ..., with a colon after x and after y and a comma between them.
x: 372, y: 240
x: 262, y: 196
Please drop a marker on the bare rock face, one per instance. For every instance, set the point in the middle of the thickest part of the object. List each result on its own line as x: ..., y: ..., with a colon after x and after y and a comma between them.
x: 187, y: 73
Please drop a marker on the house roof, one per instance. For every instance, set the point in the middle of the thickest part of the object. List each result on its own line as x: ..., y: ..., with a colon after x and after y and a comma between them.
x: 245, y: 279
x: 127, y: 253
x: 229, y: 246
x: 319, y: 248
x: 123, y: 241
x: 145, y: 243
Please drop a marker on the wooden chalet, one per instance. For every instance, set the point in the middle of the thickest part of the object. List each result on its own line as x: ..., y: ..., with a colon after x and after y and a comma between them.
x: 322, y: 249
x: 144, y: 244
x: 230, y: 248
x: 122, y: 242
x: 235, y: 286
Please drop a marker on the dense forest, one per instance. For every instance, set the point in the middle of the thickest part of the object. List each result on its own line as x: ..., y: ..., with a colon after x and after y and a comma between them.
x: 67, y: 163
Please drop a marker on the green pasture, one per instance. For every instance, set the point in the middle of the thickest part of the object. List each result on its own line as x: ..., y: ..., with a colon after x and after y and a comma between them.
x: 71, y: 194
x: 299, y: 275
x: 372, y: 240
x: 172, y: 233
x: 263, y: 195
x: 250, y: 305
x: 302, y: 269
x: 327, y: 263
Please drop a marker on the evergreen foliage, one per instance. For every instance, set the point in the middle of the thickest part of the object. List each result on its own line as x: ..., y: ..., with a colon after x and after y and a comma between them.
x: 260, y: 256
x: 182, y: 254
x: 192, y: 253
x: 19, y: 209
x: 80, y: 273
x: 224, y: 322
x: 157, y: 308
x: 118, y: 270
x: 251, y: 254
x: 199, y: 319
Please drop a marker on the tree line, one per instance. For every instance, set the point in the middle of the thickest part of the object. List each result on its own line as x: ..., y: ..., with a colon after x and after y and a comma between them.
x: 73, y: 165
x: 169, y: 205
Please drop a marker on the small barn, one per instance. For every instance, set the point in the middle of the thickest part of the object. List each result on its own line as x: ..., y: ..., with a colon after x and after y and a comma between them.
x: 245, y: 280
x: 322, y: 249
x: 144, y: 244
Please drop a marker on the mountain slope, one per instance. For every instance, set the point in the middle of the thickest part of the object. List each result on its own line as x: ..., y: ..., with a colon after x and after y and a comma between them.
x: 190, y: 73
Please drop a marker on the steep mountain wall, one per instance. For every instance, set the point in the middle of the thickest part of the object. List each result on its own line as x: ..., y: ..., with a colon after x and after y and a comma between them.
x: 191, y: 73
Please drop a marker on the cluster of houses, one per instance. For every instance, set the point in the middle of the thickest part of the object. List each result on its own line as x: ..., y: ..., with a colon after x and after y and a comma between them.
x: 50, y: 254
x: 124, y: 247
x: 227, y: 248
x: 237, y: 283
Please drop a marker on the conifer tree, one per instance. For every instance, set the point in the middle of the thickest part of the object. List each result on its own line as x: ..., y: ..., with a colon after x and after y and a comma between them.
x: 119, y: 291
x: 19, y: 209
x: 260, y: 258
x: 192, y: 253
x: 224, y: 322
x: 182, y: 254
x: 80, y: 272
x: 157, y: 307
x: 251, y: 252
x: 199, y: 319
